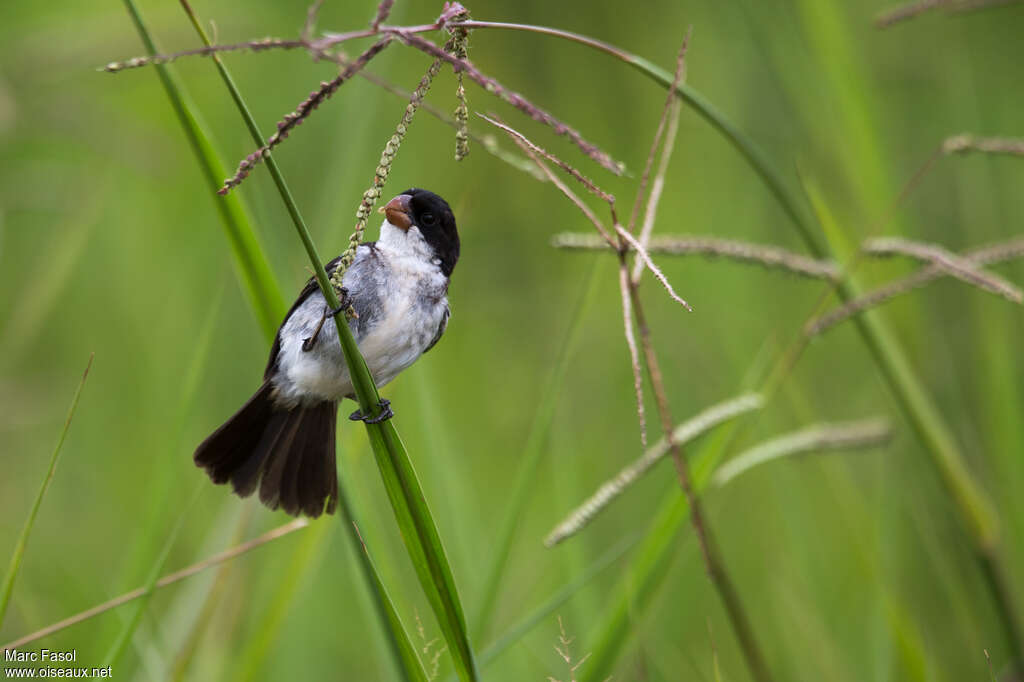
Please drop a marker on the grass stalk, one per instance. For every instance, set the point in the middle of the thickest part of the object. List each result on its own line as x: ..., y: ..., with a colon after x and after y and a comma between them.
x: 713, y: 563
x: 26, y: 530
x: 419, y: 532
x: 751, y: 152
x: 223, y: 580
x: 633, y: 309
x: 981, y: 256
x: 768, y: 256
x: 684, y: 433
x: 128, y: 629
x: 395, y: 636
x: 952, y: 264
x: 412, y: 667
x: 251, y: 660
x: 824, y: 437
x: 552, y: 603
x: 632, y: 595
x: 169, y: 579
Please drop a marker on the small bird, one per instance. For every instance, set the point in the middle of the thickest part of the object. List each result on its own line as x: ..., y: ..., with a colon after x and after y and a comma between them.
x: 282, y: 439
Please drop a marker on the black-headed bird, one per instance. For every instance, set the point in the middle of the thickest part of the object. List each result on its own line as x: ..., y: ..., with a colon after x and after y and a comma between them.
x: 282, y: 440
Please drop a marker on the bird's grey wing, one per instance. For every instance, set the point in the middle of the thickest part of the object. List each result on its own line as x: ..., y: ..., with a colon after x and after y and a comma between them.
x: 440, y: 329
x: 358, y: 296
x: 366, y: 281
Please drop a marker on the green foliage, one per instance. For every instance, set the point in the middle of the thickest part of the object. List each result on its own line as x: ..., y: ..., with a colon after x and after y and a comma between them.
x: 19, y: 549
x: 108, y: 242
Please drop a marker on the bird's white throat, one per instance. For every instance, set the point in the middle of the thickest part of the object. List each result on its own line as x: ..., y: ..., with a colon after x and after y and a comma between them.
x: 406, y: 243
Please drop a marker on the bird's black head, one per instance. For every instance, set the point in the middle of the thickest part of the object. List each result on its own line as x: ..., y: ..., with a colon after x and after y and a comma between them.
x: 432, y: 215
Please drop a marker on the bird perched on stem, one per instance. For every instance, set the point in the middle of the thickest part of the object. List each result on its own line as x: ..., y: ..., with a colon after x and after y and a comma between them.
x: 282, y: 440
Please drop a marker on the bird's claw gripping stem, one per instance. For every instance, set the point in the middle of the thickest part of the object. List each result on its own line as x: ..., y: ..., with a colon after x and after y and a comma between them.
x: 385, y: 413
x: 307, y: 344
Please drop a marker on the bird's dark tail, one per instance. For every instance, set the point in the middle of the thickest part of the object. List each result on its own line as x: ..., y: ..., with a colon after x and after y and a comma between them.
x: 287, y: 454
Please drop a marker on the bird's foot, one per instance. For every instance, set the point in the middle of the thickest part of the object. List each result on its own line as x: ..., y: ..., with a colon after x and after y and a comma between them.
x: 345, y: 302
x: 385, y: 413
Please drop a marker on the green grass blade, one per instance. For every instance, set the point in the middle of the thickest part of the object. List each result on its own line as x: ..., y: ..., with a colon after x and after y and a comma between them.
x: 251, y: 661
x: 649, y: 567
x: 258, y: 280
x: 532, y: 452
x: 419, y: 533
x: 418, y: 530
x: 705, y: 420
x: 411, y: 665
x: 162, y: 495
x: 515, y: 633
x: 118, y: 647
x: 26, y: 530
x: 394, y: 633
x: 632, y: 595
x: 534, y: 618
x: 820, y: 438
x: 181, y: 661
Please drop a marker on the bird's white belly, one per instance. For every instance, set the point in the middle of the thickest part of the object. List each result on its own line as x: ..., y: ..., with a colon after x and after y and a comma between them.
x: 396, y: 341
x: 398, y: 337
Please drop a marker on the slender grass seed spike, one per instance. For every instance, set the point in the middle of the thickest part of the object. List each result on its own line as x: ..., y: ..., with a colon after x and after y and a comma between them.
x: 282, y: 440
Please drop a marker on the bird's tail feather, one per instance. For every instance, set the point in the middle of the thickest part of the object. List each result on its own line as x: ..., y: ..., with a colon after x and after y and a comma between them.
x: 287, y: 454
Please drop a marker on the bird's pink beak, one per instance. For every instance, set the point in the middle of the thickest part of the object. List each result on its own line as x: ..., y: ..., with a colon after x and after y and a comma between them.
x: 399, y: 212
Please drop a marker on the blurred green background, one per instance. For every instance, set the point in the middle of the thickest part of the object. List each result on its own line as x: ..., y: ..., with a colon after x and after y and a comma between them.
x: 852, y: 566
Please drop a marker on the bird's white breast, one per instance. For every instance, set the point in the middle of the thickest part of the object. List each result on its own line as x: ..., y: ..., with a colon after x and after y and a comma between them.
x: 402, y: 293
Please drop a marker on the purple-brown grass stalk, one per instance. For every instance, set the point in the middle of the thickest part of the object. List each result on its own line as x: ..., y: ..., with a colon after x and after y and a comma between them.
x: 631, y: 303
x: 528, y: 149
x: 913, y: 9
x: 657, y: 187
x: 311, y: 14
x: 514, y: 98
x: 716, y: 247
x: 670, y: 100
x: 169, y: 579
x: 383, y: 11
x: 713, y: 564
x: 634, y: 356
x: 961, y: 144
x: 986, y: 255
x: 582, y: 179
x: 940, y: 257
x: 408, y: 35
x: 302, y: 112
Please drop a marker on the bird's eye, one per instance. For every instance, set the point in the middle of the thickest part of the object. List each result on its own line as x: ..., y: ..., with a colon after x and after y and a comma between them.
x: 428, y: 219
